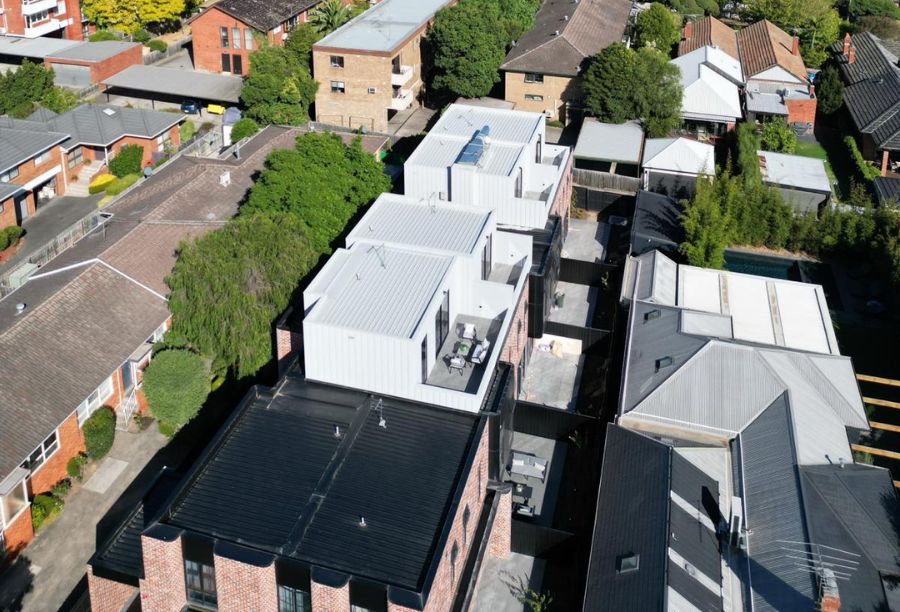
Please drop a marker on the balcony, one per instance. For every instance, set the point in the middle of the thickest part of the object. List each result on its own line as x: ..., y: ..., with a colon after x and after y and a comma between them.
x: 468, y: 379
x: 33, y: 7
x: 401, y: 99
x: 400, y: 76
x: 44, y: 28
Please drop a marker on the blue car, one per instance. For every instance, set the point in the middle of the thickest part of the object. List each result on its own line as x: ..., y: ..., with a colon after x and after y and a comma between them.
x: 190, y: 107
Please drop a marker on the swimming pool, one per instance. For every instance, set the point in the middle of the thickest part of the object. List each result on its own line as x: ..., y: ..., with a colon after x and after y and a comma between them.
x: 762, y: 265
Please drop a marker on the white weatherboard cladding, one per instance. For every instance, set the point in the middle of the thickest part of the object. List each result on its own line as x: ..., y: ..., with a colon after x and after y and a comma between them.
x: 748, y: 303
x: 798, y: 305
x: 777, y: 74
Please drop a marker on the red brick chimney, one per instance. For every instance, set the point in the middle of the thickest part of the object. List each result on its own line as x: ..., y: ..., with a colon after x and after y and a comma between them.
x: 812, y: 91
x: 829, y: 597
x: 688, y: 31
x: 795, y: 46
x: 851, y: 55
x: 847, y: 42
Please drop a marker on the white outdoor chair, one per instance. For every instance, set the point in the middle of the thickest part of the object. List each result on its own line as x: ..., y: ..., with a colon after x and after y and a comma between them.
x: 469, y: 331
x: 480, y: 354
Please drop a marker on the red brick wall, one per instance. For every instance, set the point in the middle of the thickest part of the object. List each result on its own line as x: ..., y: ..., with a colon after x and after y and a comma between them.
x: 801, y: 111
x: 501, y: 532
x: 107, y: 68
x: 162, y: 588
x: 73, y: 12
x: 328, y: 599
x: 241, y: 587
x: 107, y: 595
x: 208, y: 48
x: 18, y: 534
x: 287, y: 344
x: 71, y: 442
x: 28, y: 171
x: 149, y: 145
x: 8, y: 214
x: 518, y: 336
x: 563, y: 201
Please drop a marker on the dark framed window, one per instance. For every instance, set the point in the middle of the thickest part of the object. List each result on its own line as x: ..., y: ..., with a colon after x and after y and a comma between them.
x: 534, y: 77
x: 454, y: 556
x: 235, y: 38
x: 424, y: 358
x: 237, y: 64
x: 39, y: 455
x: 442, y: 323
x: 537, y: 151
x: 465, y: 520
x: 291, y: 599
x: 200, y: 582
x: 534, y: 98
x: 223, y: 37
x: 337, y: 61
x: 226, y: 62
x: 75, y: 156
x: 338, y: 87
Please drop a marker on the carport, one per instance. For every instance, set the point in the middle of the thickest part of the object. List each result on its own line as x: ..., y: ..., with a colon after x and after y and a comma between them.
x: 158, y: 83
x: 14, y: 49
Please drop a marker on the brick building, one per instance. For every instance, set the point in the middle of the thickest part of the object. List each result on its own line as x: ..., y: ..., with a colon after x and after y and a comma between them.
x: 371, y: 67
x: 542, y: 71
x: 85, y: 64
x: 34, y: 19
x: 225, y: 33
x: 31, y: 171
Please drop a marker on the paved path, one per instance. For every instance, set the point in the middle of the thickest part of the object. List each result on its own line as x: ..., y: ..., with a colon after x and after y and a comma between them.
x: 55, y: 562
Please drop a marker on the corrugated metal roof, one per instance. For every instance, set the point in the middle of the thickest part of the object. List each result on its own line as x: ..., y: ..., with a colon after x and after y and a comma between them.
x: 383, y: 26
x: 179, y: 82
x: 609, y: 141
x: 506, y: 126
x: 379, y: 289
x: 656, y: 223
x: 679, y: 155
x: 93, y: 51
x: 401, y: 221
x: 35, y: 48
x: 657, y: 278
x: 443, y: 151
x: 795, y: 171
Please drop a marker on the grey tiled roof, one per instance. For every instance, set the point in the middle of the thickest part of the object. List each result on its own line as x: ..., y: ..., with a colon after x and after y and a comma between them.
x: 20, y: 145
x: 264, y: 15
x: 8, y: 190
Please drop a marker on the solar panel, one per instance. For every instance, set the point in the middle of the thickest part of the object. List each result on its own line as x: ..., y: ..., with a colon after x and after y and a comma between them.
x: 474, y: 149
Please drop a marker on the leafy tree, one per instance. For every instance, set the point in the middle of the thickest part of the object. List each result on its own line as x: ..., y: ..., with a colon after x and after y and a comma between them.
x: 882, y: 27
x: 22, y: 87
x: 243, y: 128
x: 874, y: 8
x: 468, y: 48
x: 127, y: 16
x: 829, y: 90
x: 300, y: 42
x: 279, y: 88
x: 747, y: 146
x: 59, y: 100
x: 329, y: 16
x: 103, y: 35
x: 127, y: 161
x: 706, y: 228
x: 657, y: 27
x: 176, y: 384
x: 623, y: 84
x: 229, y: 285
x: 697, y: 8
x: 321, y: 181
x: 518, y: 17
x: 99, y: 433
x: 775, y: 135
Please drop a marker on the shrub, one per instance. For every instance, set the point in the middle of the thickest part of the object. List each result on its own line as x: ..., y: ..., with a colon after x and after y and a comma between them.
x: 101, y: 35
x: 75, y: 466
x: 10, y: 237
x: 99, y: 432
x: 61, y: 488
x: 121, y: 184
x: 775, y: 135
x: 157, y: 45
x: 176, y: 384
x: 186, y: 131
x: 141, y: 36
x: 127, y: 160
x: 867, y: 171
x: 100, y: 183
x: 243, y: 128
x: 166, y: 429
x: 44, y: 508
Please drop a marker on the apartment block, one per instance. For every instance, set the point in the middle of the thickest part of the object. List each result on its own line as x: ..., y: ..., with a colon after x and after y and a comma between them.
x: 34, y: 18
x: 371, y: 67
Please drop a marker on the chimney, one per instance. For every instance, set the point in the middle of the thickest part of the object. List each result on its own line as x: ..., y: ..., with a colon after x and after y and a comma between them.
x: 846, y: 44
x: 851, y: 55
x: 829, y: 597
x: 795, y: 46
x: 688, y: 31
x: 812, y: 91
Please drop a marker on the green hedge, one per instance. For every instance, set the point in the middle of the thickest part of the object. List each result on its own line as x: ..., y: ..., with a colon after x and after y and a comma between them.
x: 44, y: 508
x: 186, y: 131
x: 10, y: 236
x: 127, y: 160
x: 121, y: 184
x: 75, y: 466
x: 99, y: 433
x: 176, y: 384
x: 157, y: 45
x: 102, y: 35
x: 243, y: 128
x: 867, y: 171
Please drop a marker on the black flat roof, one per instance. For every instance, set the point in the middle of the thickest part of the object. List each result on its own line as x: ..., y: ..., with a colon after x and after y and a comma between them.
x: 278, y: 480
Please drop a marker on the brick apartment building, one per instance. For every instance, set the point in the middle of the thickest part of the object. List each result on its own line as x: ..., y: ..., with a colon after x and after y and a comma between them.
x: 371, y: 67
x: 31, y: 19
x: 100, y: 304
x: 542, y: 72
x: 776, y: 80
x: 225, y: 33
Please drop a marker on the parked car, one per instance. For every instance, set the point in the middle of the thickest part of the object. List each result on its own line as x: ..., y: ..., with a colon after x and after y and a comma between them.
x: 190, y: 107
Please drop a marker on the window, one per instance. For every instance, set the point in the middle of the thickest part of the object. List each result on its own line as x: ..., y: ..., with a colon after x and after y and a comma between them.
x: 12, y: 503
x: 519, y: 182
x: 163, y: 140
x: 40, y: 159
x: 454, y: 554
x: 337, y: 61
x: 442, y: 323
x: 627, y: 563
x: 537, y: 151
x: 30, y: 20
x: 424, y: 358
x: 235, y: 38
x: 226, y: 62
x: 94, y: 401
x: 290, y: 24
x: 337, y: 87
x: 248, y: 39
x: 200, y: 580
x: 466, y: 516
x: 533, y: 98
x: 534, y: 77
x: 9, y: 175
x: 486, y: 257
x: 39, y: 455
x: 372, y: 90
x: 237, y: 64
x: 223, y: 37
x: 293, y: 600
x: 75, y: 157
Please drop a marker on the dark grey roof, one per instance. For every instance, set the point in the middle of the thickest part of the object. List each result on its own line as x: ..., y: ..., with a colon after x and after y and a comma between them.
x: 854, y: 509
x: 178, y: 82
x: 8, y: 190
x: 657, y: 223
x: 566, y: 34
x: 20, y: 145
x: 872, y: 94
x: 93, y: 51
x: 403, y: 479
x: 264, y: 15
x: 632, y: 518
x: 887, y: 189
x: 774, y: 512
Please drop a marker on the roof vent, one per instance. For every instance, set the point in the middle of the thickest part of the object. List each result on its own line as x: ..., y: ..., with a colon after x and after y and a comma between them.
x: 362, y: 521
x: 629, y: 562
x: 20, y: 308
x: 565, y: 18
x: 652, y: 314
x: 556, y: 33
x: 109, y: 112
x: 337, y: 431
x: 663, y: 362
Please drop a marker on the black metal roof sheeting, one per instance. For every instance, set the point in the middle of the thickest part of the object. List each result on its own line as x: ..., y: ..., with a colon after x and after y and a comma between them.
x: 632, y: 518
x: 692, y: 590
x: 657, y: 223
x: 887, y: 189
x: 279, y: 480
x: 120, y: 557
